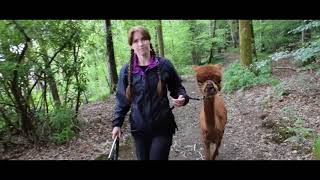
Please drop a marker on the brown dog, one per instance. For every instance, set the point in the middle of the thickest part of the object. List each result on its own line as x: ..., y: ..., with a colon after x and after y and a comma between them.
x: 213, y: 115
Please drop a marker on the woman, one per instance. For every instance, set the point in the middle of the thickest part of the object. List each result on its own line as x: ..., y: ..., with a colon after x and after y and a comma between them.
x: 143, y: 86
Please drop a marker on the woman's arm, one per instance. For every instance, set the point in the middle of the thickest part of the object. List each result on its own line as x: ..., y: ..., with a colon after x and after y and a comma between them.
x: 174, y: 84
x: 122, y: 103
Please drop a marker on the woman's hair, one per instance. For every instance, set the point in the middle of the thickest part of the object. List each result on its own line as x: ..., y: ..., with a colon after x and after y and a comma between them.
x: 145, y: 34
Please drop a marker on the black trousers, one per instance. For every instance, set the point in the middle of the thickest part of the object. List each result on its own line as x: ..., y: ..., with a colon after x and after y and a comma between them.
x: 152, y: 146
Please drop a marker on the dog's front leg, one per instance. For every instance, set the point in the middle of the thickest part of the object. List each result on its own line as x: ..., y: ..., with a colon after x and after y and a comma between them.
x: 206, y: 149
x: 206, y: 144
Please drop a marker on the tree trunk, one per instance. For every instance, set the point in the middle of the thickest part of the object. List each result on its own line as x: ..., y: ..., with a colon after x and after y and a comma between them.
x: 21, y: 106
x: 232, y: 33
x: 245, y: 42
x: 45, y: 101
x: 51, y: 80
x: 261, y: 34
x: 75, y: 59
x: 111, y: 63
x: 305, y: 34
x: 160, y: 38
x: 172, y: 44
x: 156, y: 44
x: 7, y: 121
x: 253, y: 41
x: 234, y: 29
x: 194, y: 54
x: 302, y: 36
x: 212, y: 30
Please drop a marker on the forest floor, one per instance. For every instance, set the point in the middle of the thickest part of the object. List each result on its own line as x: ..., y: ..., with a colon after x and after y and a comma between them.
x: 264, y: 123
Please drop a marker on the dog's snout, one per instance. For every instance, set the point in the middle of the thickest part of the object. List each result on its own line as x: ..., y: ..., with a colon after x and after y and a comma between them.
x: 210, y: 88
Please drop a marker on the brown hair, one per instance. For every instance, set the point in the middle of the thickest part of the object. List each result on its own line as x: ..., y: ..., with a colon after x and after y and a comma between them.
x: 145, y: 33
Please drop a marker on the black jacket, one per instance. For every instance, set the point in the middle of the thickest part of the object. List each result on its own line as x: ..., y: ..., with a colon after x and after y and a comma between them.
x: 149, y: 113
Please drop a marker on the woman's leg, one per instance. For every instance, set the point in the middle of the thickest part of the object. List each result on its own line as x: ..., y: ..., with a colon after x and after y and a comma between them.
x: 142, y: 145
x: 160, y: 147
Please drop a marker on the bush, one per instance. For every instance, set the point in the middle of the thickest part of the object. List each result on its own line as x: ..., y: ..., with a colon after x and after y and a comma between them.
x: 307, y: 55
x: 238, y: 77
x: 61, y: 137
x: 61, y: 125
x: 316, y: 148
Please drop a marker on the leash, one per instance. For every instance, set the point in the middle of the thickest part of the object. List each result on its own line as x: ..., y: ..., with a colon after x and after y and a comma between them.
x: 114, y: 152
x: 198, y: 99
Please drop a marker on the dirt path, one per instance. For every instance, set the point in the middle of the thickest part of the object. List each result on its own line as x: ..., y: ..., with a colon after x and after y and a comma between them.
x: 264, y: 123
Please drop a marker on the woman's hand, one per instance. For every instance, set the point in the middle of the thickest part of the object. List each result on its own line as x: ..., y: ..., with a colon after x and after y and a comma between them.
x: 178, y: 102
x: 116, y: 132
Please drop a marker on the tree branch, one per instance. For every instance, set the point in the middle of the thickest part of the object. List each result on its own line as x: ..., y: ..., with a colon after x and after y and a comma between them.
x: 61, y: 48
x: 285, y: 68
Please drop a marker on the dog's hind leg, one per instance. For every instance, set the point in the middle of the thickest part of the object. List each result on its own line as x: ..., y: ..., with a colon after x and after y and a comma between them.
x: 206, y: 150
x: 213, y: 149
x: 218, y: 140
x: 216, y: 152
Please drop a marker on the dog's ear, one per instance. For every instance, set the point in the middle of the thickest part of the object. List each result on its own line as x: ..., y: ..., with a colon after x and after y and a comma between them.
x: 218, y: 66
x: 195, y: 67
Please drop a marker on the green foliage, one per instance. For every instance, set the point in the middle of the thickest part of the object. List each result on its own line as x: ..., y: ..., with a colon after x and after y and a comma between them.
x: 177, y: 38
x: 184, y: 69
x: 294, y: 131
x: 65, y: 135
x: 282, y: 133
x: 2, y: 127
x: 279, y: 90
x: 316, y: 148
x: 220, y: 38
x: 308, y: 25
x: 271, y: 35
x: 297, y: 125
x: 238, y: 77
x: 233, y: 50
x: 307, y: 55
x: 61, y: 122
x: 44, y: 54
x: 94, y: 53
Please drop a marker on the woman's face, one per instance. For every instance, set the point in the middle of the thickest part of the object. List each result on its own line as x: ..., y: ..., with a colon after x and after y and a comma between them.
x: 140, y: 44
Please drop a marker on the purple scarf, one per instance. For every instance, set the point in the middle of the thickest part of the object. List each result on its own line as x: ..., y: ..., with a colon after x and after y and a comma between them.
x: 137, y: 69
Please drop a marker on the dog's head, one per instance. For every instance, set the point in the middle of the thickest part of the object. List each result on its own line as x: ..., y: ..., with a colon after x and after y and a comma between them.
x: 208, y: 79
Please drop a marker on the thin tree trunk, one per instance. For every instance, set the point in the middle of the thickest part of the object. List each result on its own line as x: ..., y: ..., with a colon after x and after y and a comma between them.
x: 236, y: 25
x: 51, y: 80
x: 160, y: 38
x: 45, y: 96
x: 21, y: 104
x: 172, y: 44
x: 194, y: 54
x: 212, y: 30
x: 234, y: 28
x: 75, y: 58
x: 156, y: 44
x: 232, y: 33
x: 303, y: 34
x: 261, y: 34
x: 245, y: 42
x: 7, y: 121
x: 111, y: 63
x: 253, y: 40
x: 66, y: 90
